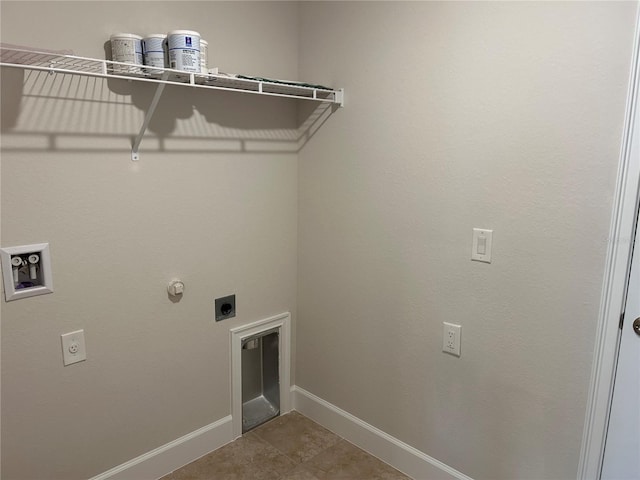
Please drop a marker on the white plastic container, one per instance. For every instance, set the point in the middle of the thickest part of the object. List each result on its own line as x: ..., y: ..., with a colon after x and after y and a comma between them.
x: 184, y: 50
x: 154, y: 50
x: 204, y: 50
x: 126, y: 48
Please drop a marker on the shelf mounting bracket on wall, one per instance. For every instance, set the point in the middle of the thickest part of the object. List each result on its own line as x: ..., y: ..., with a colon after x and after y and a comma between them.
x: 135, y: 156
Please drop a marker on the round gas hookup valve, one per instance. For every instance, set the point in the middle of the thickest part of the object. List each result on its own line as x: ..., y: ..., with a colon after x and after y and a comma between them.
x: 175, y: 288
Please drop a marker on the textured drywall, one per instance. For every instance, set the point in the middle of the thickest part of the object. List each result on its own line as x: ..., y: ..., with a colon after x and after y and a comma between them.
x: 499, y: 115
x: 212, y: 201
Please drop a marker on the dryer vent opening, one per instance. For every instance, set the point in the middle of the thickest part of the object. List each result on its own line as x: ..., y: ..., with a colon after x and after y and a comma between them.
x: 260, y: 379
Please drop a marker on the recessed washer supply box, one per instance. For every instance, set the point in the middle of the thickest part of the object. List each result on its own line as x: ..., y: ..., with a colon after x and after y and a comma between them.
x: 26, y: 271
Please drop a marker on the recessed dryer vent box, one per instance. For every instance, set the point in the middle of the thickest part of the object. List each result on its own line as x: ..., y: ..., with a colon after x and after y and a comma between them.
x: 26, y: 271
x: 225, y: 307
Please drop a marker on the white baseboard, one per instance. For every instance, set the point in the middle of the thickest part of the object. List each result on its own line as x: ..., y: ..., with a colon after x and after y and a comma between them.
x: 167, y: 458
x: 399, y: 455
x: 173, y: 455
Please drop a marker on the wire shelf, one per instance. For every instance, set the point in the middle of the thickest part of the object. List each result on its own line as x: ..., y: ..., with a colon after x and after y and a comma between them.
x: 56, y: 62
x: 59, y: 63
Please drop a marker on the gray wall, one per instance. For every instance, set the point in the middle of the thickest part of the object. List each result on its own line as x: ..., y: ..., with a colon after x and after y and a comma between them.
x: 459, y: 115
x: 505, y: 116
x: 220, y: 214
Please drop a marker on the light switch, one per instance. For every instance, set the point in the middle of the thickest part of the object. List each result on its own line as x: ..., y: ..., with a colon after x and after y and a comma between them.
x: 481, y: 245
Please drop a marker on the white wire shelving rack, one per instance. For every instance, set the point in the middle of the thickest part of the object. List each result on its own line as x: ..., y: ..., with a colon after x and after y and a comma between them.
x: 69, y: 64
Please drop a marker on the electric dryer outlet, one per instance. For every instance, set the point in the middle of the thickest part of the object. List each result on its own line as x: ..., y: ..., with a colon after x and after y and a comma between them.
x: 73, y: 347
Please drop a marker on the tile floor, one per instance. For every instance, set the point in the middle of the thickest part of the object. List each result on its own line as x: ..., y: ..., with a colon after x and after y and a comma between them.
x: 290, y: 447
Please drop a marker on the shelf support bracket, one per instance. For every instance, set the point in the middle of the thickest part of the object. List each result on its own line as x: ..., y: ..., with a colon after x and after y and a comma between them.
x: 135, y: 156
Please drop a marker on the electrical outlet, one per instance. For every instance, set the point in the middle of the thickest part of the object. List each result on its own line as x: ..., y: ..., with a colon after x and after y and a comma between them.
x: 73, y: 347
x: 451, y: 338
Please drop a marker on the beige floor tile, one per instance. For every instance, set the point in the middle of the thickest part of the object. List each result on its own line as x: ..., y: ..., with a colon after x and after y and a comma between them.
x: 290, y: 447
x: 247, y: 458
x: 296, y: 436
x: 299, y: 473
x: 346, y: 461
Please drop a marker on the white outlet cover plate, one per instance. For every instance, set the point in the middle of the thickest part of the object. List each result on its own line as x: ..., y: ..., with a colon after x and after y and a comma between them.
x: 73, y: 347
x: 451, y: 334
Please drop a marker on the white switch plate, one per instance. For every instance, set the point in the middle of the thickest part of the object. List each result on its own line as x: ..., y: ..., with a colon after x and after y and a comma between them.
x: 481, y: 245
x: 451, y: 338
x: 73, y: 347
